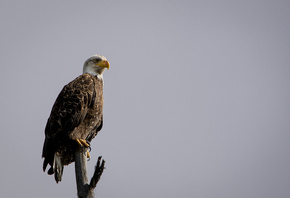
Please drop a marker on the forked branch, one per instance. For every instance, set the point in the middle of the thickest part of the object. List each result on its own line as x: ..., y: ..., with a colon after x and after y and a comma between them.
x: 84, y: 188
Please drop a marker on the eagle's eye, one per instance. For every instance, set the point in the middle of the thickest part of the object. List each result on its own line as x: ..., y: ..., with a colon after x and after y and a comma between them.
x: 97, y: 60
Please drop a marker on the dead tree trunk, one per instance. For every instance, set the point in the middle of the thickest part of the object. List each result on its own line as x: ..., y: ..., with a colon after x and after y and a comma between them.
x: 84, y: 188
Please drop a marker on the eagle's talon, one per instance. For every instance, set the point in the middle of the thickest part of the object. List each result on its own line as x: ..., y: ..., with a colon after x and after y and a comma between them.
x: 89, y: 145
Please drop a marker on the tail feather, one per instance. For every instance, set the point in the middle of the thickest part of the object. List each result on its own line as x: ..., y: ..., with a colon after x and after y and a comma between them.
x: 57, y: 167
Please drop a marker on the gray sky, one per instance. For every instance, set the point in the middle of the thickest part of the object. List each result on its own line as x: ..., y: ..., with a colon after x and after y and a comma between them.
x: 196, y: 99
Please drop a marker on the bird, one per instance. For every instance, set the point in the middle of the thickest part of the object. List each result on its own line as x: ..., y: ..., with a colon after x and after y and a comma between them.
x: 76, y: 117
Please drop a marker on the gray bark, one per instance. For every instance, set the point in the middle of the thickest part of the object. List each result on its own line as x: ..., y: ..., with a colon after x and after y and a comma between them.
x: 84, y: 188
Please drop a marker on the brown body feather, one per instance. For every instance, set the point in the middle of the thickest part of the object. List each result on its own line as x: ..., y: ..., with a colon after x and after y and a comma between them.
x: 76, y: 114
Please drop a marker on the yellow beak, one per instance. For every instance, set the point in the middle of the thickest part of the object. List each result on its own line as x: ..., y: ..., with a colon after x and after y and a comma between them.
x: 104, y: 63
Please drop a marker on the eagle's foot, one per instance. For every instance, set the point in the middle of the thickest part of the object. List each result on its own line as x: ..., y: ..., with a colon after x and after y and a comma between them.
x: 83, y: 142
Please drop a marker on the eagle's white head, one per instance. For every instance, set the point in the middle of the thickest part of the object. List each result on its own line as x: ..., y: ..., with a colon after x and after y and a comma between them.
x: 96, y: 66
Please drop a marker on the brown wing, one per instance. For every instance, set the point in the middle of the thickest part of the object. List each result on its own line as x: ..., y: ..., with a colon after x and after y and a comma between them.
x: 68, y: 111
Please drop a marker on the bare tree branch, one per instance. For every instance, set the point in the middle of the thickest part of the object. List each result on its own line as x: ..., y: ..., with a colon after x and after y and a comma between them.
x: 86, y: 190
x: 98, y: 172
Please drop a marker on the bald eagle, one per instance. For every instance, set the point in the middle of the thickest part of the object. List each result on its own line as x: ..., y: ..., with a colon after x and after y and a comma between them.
x: 76, y: 117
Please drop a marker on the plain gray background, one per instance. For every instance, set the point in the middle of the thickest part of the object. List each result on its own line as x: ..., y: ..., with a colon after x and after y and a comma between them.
x: 196, y: 99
